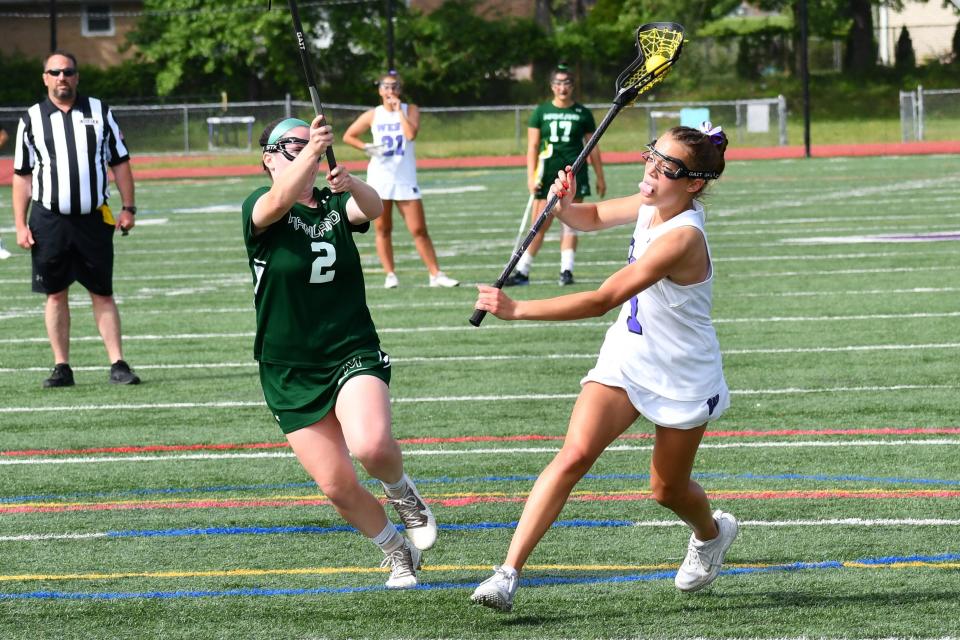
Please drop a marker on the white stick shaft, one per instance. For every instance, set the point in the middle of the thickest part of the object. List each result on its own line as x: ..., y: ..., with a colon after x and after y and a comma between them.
x: 523, y: 222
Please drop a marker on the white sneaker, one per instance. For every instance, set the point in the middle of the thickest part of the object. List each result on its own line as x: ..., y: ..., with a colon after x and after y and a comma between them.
x: 704, y: 559
x: 497, y: 591
x: 443, y: 280
x: 4, y: 254
x: 418, y: 521
x: 404, y: 563
x: 391, y: 282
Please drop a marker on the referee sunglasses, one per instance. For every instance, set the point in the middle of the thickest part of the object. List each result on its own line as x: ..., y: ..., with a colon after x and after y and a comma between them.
x: 69, y: 72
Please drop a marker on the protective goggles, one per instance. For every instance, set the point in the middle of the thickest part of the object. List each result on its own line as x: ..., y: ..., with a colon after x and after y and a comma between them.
x: 289, y: 147
x: 673, y: 168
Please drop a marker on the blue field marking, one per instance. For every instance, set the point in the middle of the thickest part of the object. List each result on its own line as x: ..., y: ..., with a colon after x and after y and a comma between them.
x: 433, y: 586
x: 943, y: 557
x: 469, y: 480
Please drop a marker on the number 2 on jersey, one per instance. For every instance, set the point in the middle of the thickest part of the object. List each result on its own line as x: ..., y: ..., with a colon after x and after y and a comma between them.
x: 320, y: 273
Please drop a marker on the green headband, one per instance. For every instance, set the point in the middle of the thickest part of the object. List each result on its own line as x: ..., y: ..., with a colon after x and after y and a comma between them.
x: 283, y: 126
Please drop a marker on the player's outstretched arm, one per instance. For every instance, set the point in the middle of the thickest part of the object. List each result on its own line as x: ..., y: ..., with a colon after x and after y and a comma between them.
x: 588, y: 216
x: 294, y: 180
x: 364, y: 204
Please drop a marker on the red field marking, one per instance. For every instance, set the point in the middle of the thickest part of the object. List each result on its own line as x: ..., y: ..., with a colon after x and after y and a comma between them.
x: 469, y: 500
x: 146, y: 449
x: 227, y: 446
x: 142, y: 170
x: 873, y: 494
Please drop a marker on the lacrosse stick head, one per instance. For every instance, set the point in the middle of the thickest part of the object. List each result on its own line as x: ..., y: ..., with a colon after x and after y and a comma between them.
x: 658, y: 45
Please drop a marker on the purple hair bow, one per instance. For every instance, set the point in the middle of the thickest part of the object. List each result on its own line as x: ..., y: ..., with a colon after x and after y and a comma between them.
x: 715, y: 133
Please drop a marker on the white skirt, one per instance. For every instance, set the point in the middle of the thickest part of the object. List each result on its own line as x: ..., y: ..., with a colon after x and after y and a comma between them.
x: 664, y: 412
x: 394, y: 191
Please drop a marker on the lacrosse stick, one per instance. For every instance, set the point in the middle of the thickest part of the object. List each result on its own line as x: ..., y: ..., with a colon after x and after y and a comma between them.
x: 659, y: 45
x: 307, y: 70
x: 546, y: 153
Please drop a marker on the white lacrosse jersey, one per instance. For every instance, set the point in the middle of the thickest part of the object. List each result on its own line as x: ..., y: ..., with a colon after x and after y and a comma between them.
x: 664, y: 338
x: 398, y: 164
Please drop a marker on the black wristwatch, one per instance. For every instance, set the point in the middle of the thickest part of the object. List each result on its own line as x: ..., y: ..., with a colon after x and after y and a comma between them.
x: 132, y: 209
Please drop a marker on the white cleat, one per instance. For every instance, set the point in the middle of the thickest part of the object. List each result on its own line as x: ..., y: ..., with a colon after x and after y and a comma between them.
x: 391, y: 281
x: 443, y: 280
x: 704, y: 559
x: 403, y: 564
x: 498, y: 590
x: 418, y: 521
x: 4, y: 254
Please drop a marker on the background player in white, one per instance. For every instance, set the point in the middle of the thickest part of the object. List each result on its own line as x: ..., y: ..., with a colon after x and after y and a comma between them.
x: 660, y: 359
x: 393, y: 173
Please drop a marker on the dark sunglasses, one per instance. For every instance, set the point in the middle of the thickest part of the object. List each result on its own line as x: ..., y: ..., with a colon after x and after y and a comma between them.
x: 673, y: 168
x: 289, y: 147
x: 56, y: 72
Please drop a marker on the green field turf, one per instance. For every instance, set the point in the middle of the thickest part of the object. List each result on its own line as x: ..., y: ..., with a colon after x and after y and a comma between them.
x: 839, y: 454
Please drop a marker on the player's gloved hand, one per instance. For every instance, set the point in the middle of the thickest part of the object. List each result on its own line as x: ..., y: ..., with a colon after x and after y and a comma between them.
x: 373, y: 150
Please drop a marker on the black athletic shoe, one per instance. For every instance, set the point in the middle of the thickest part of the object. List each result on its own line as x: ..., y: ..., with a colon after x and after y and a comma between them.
x: 516, y: 279
x: 62, y: 376
x: 566, y: 277
x: 120, y: 373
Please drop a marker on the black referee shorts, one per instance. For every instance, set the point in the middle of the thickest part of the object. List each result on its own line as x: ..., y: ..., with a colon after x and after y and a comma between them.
x: 71, y: 248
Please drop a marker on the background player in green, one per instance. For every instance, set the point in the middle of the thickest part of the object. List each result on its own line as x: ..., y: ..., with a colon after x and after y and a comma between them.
x: 321, y: 368
x: 565, y: 126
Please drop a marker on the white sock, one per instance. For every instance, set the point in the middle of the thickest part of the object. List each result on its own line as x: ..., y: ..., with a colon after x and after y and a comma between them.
x: 526, y: 261
x: 510, y: 571
x: 396, y: 489
x: 566, y: 259
x: 389, y: 539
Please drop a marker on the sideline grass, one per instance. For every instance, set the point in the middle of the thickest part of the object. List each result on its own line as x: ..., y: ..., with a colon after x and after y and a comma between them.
x: 834, y: 335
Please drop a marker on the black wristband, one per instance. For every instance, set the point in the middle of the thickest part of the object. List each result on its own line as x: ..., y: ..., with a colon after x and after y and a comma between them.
x: 132, y: 209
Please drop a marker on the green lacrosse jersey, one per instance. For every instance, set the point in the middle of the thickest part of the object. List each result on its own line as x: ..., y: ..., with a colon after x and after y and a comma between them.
x: 308, y: 284
x: 564, y: 128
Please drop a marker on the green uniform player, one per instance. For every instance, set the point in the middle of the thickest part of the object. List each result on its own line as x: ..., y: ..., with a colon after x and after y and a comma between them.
x: 306, y: 273
x: 565, y: 129
x: 557, y: 132
x: 321, y: 368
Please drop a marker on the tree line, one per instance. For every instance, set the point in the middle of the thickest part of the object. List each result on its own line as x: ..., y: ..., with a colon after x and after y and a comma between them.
x: 455, y: 55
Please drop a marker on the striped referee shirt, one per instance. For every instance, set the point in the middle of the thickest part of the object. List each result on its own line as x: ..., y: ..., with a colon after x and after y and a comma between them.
x: 68, y: 152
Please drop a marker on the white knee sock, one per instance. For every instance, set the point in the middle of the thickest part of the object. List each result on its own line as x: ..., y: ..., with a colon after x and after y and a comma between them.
x: 526, y: 261
x: 566, y: 259
x: 389, y: 539
x: 396, y: 489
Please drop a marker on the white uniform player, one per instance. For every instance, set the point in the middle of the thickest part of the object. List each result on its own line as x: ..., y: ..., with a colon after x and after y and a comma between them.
x: 393, y: 170
x: 660, y: 359
x: 647, y: 350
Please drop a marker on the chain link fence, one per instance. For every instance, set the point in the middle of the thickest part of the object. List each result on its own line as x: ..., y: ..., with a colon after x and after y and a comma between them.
x: 445, y: 132
x: 929, y: 114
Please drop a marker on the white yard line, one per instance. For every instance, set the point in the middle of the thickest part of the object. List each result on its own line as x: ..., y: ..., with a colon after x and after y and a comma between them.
x: 493, y: 451
x: 827, y: 522
x: 512, y: 326
x: 501, y: 357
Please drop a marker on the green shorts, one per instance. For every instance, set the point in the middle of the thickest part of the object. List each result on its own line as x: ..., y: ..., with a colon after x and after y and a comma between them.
x: 299, y: 397
x: 550, y: 169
